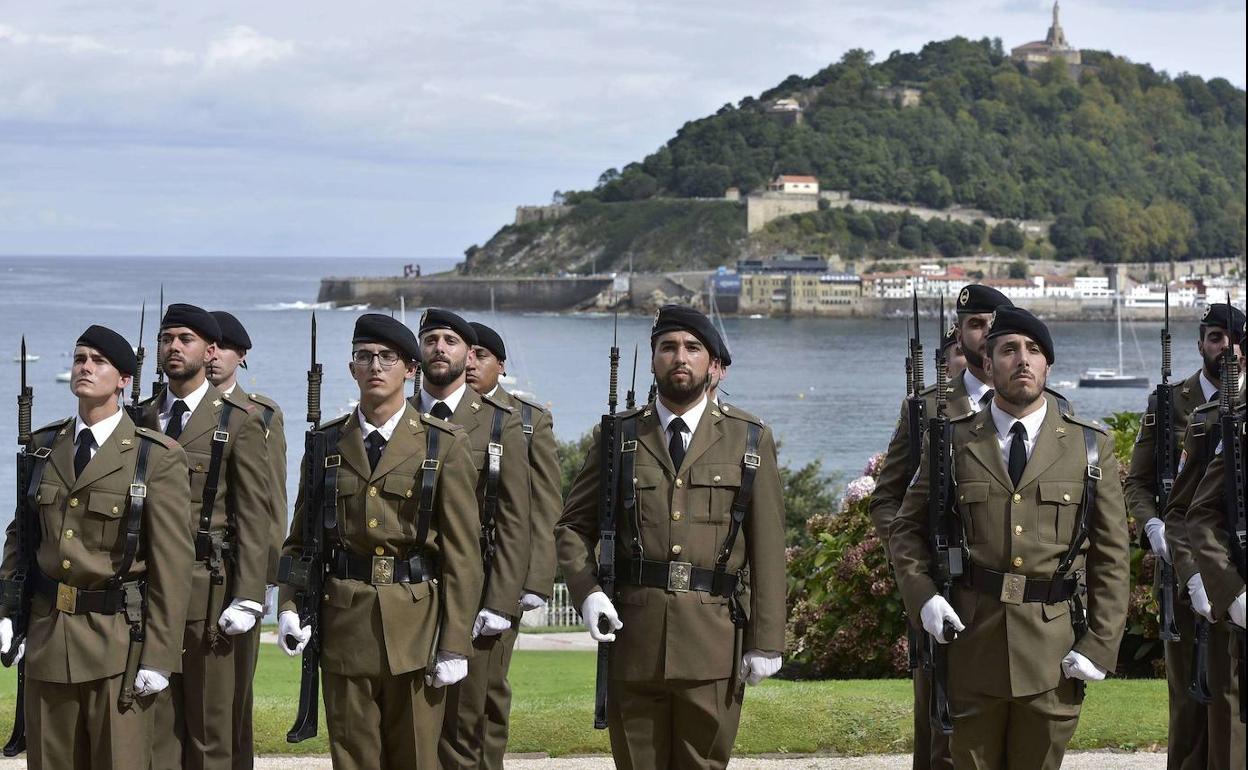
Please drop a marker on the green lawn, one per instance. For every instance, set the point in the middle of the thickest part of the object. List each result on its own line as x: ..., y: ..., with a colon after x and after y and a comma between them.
x: 553, y: 709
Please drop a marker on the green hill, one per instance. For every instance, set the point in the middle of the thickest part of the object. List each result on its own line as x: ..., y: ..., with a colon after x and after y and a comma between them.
x: 1129, y: 163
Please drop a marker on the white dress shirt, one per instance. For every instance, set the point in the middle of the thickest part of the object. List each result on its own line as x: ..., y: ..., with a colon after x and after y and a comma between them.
x: 975, y: 390
x: 192, y: 403
x: 427, y: 401
x: 100, y: 431
x: 1004, y: 421
x: 386, y: 430
x: 692, y: 417
x: 1206, y: 386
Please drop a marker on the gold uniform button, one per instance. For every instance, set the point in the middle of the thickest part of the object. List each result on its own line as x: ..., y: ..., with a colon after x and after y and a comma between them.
x: 116, y: 509
x: 199, y: 466
x: 1018, y: 561
x: 379, y: 551
x: 73, y: 502
x: 1066, y: 497
x: 675, y: 515
x: 372, y: 523
x: 69, y: 534
x: 372, y: 491
x: 679, y: 483
x: 408, y: 493
x: 676, y: 550
x: 716, y: 479
x: 66, y: 564
x: 1018, y: 498
x: 1018, y: 529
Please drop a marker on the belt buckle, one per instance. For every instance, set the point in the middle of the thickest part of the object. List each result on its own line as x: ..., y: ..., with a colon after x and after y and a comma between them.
x: 678, y: 576
x: 1012, y: 588
x: 66, y: 598
x: 383, y: 570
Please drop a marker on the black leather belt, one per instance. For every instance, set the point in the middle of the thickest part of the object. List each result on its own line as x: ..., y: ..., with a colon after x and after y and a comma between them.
x: 1018, y: 589
x: 79, y: 601
x: 383, y: 570
x: 678, y: 576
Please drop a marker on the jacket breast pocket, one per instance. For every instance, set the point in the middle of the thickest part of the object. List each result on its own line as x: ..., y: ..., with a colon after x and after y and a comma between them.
x: 47, y: 501
x: 198, y: 463
x: 104, y: 519
x: 973, y: 510
x: 1058, y: 510
x: 397, y: 489
x: 652, y: 500
x: 712, y: 488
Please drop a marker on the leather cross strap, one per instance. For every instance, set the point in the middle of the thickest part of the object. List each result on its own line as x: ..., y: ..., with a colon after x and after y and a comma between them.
x: 428, y: 486
x: 750, y: 461
x: 135, y: 501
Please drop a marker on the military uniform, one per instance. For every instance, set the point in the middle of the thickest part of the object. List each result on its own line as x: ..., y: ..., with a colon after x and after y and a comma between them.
x: 378, y: 631
x: 1187, y: 743
x: 1010, y: 702
x: 463, y: 733
x: 195, y: 722
x: 675, y: 696
x: 76, y: 652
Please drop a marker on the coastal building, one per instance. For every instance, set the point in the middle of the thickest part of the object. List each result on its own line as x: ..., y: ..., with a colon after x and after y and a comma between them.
x: 794, y: 184
x: 784, y: 264
x: 1037, y: 53
x: 799, y: 293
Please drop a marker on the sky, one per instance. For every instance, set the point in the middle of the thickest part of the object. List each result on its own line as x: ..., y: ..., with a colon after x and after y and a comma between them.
x: 414, y: 129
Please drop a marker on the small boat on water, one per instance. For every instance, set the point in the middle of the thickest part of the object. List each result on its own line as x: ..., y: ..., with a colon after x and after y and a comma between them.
x: 1113, y: 378
x: 64, y: 376
x: 29, y: 358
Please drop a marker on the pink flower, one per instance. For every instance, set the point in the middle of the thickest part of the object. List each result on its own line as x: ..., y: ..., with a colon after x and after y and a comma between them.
x: 858, y: 489
x: 872, y: 468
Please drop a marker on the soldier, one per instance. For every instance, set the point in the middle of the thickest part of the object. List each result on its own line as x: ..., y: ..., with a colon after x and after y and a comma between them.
x: 968, y: 392
x: 1189, y: 728
x: 230, y: 353
x: 955, y: 361
x: 1035, y: 523
x: 111, y: 501
x: 486, y: 363
x: 501, y: 456
x: 677, y: 639
x: 405, y: 575
x: 231, y: 516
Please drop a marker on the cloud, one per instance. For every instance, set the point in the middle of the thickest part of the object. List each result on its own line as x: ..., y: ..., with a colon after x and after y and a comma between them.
x: 245, y: 48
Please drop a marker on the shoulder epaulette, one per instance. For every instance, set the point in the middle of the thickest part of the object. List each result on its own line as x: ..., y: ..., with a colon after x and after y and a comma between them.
x: 264, y: 401
x: 57, y: 425
x: 1093, y: 424
x: 1062, y: 401
x: 239, y: 402
x: 439, y: 423
x: 156, y: 436
x: 1205, y: 408
x: 338, y: 421
x: 931, y: 389
x: 531, y: 402
x: 494, y: 402
x: 963, y: 417
x: 728, y: 410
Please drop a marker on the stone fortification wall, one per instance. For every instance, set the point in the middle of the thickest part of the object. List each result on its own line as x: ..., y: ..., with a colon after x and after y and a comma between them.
x: 476, y: 293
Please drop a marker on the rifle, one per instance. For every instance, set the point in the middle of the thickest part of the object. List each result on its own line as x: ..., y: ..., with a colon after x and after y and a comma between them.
x: 307, y: 573
x: 630, y: 400
x: 136, y: 382
x: 1233, y: 438
x: 946, y: 539
x: 608, y: 447
x: 1164, y: 463
x: 159, y: 384
x: 916, y: 408
x: 17, y: 590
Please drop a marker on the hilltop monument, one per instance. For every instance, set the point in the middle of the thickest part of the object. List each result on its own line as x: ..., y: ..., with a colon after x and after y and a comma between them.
x: 1054, y: 46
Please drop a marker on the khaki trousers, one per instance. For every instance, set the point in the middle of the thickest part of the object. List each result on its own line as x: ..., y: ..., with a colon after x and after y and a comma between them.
x: 931, y: 748
x: 474, y: 734
x: 247, y: 652
x: 682, y: 725
x: 384, y: 722
x: 72, y: 726
x: 1226, y: 732
x: 1029, y: 733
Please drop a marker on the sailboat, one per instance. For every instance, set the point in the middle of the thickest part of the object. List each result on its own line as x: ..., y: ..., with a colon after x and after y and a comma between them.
x: 1111, y: 378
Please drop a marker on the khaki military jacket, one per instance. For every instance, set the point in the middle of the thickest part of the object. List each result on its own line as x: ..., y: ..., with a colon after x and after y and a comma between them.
x: 684, y: 517
x: 243, y: 505
x: 1208, y: 536
x: 545, y: 493
x: 1140, y: 487
x: 1197, y: 451
x: 275, y: 434
x: 82, y: 524
x: 381, y: 630
x: 896, y: 472
x: 1016, y: 650
x: 505, y: 583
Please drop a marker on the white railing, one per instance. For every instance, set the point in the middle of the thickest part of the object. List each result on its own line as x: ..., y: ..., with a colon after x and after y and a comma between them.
x: 559, y: 612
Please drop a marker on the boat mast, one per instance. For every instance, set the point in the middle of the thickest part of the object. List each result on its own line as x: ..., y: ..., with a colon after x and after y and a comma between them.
x: 1118, y: 313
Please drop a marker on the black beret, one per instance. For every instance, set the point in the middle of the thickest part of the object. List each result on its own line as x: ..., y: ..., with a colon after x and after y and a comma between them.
x: 436, y: 318
x: 194, y: 318
x: 233, y: 335
x: 489, y: 339
x: 1226, y: 316
x: 725, y: 356
x: 978, y: 298
x: 384, y: 330
x: 113, y: 346
x: 1015, y: 320
x: 672, y: 318
x: 950, y: 337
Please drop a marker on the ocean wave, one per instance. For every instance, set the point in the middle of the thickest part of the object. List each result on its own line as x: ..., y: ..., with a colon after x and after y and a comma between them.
x: 296, y: 305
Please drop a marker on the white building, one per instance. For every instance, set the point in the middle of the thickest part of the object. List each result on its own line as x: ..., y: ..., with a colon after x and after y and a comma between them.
x: 791, y: 184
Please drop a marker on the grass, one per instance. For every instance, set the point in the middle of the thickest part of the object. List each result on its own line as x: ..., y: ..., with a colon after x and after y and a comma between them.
x: 553, y: 707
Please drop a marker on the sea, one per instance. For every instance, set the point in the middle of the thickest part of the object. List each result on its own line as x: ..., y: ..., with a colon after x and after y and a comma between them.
x: 829, y: 388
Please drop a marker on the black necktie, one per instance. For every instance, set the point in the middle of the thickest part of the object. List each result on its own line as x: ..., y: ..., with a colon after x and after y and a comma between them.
x: 441, y: 411
x: 676, y: 446
x: 82, y: 456
x: 174, y: 429
x: 374, y: 443
x: 1216, y: 395
x: 1018, y: 452
x: 986, y: 399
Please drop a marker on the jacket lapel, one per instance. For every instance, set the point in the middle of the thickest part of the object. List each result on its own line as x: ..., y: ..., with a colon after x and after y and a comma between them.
x: 351, y: 446
x: 402, y: 443
x: 62, y: 458
x: 708, y: 432
x: 1191, y: 393
x: 108, y: 458
x: 959, y: 403
x: 1050, y: 446
x: 205, y: 417
x: 650, y: 435
x: 467, y: 414
x: 985, y: 449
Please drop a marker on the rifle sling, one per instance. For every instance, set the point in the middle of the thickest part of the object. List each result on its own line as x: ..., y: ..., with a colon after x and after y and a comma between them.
x: 627, y: 483
x: 526, y: 422
x: 428, y: 486
x: 203, y: 536
x: 493, y: 474
x: 1092, y: 474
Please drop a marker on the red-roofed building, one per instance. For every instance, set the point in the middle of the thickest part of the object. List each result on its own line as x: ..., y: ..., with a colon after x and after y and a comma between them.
x: 794, y: 184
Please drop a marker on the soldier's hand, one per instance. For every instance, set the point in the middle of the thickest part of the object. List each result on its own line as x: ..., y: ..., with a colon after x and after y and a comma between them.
x: 489, y: 623
x: 1200, y: 599
x: 149, y: 681
x: 449, y: 669
x: 597, y: 609
x: 531, y: 601
x: 1156, y: 531
x: 291, y: 636
x: 1076, y: 666
x: 239, y: 618
x: 1236, y: 610
x: 6, y: 640
x: 757, y: 665
x: 934, y: 614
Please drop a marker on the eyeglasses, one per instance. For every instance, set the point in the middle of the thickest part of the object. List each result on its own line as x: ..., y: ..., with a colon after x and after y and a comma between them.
x: 388, y: 358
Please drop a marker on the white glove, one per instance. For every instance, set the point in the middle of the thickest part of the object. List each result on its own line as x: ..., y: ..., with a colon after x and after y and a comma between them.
x: 149, y: 681
x: 1156, y: 531
x: 288, y: 626
x: 240, y: 617
x: 489, y: 623
x: 596, y: 607
x: 934, y: 614
x: 1200, y: 599
x: 531, y: 601
x: 449, y: 669
x: 6, y: 640
x: 1076, y: 666
x: 757, y: 665
x: 270, y: 600
x: 1236, y: 611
